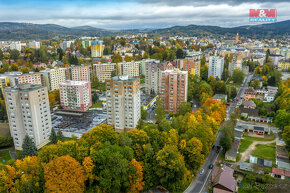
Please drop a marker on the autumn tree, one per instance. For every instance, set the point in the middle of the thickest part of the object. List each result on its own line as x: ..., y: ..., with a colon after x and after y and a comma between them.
x: 31, y: 172
x: 51, y: 99
x: 89, y: 167
x: 136, y: 180
x: 170, y: 167
x: 116, y: 58
x: 64, y: 174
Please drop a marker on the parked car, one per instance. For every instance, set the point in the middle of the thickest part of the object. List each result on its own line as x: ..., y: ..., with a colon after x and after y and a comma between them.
x: 260, y: 133
x: 210, y: 166
x: 201, y: 171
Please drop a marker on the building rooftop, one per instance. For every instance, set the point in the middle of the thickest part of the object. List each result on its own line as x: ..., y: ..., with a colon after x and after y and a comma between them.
x: 77, y: 122
x: 123, y: 78
x: 23, y: 87
x: 73, y: 83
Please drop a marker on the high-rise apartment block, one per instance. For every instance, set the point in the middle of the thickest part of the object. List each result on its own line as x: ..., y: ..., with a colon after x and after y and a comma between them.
x: 79, y: 73
x: 53, y: 77
x: 216, y: 66
x: 153, y: 75
x: 75, y: 95
x: 66, y: 44
x: 191, y: 65
x: 15, y: 46
x: 131, y: 69
x: 34, y: 45
x: 123, y: 102
x: 104, y: 71
x: 28, y: 114
x: 4, y: 82
x: 236, y: 62
x: 173, y: 89
x: 97, y: 48
x: 31, y: 77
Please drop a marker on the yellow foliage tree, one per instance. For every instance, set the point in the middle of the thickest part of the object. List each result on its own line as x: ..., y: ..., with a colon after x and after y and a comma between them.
x: 136, y: 182
x: 64, y: 174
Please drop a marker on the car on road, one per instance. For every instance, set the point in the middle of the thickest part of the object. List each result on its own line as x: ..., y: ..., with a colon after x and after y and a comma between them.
x: 210, y: 166
x: 201, y: 171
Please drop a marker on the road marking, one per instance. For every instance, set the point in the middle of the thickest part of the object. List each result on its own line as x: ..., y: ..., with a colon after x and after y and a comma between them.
x: 208, y: 175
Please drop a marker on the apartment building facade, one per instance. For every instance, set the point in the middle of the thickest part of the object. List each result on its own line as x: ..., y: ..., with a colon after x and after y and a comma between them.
x: 153, y: 75
x: 131, y: 69
x: 75, y: 95
x: 28, y: 114
x: 236, y: 62
x: 104, y: 71
x: 215, y: 66
x: 189, y: 64
x: 31, y: 77
x: 97, y: 48
x: 53, y: 77
x: 173, y: 89
x: 79, y: 73
x: 123, y: 102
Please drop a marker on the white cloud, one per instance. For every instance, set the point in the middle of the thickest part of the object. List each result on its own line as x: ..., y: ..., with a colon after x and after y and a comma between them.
x: 140, y: 15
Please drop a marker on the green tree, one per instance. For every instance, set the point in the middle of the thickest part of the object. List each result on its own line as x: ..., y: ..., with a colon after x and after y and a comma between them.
x: 160, y: 113
x: 14, y: 54
x: 1, y: 54
x: 282, y: 119
x: 28, y: 147
x: 60, y: 135
x: 238, y: 76
x: 286, y: 137
x: 255, y: 84
x: 113, y: 168
x: 53, y: 137
x: 116, y: 58
x: 184, y: 107
x: 226, y: 141
x: 170, y: 168
x: 5, y: 66
x: 143, y: 114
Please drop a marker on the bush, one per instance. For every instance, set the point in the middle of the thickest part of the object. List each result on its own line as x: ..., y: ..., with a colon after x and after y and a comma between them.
x: 6, y: 141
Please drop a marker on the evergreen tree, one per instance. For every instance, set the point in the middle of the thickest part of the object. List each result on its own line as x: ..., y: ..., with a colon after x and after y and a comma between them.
x: 60, y: 135
x: 28, y: 147
x: 53, y: 137
x: 1, y: 95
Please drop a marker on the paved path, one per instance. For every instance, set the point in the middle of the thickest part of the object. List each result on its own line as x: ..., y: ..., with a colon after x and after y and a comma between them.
x: 246, y: 154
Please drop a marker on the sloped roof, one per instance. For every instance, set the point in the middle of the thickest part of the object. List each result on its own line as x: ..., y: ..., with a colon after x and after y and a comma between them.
x: 226, y: 178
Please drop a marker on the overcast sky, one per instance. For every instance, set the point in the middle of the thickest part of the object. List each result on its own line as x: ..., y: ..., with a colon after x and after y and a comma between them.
x: 132, y: 14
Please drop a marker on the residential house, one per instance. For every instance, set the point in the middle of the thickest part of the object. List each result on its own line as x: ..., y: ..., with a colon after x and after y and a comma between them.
x: 269, y: 97
x: 249, y: 94
x: 223, y: 180
x: 220, y: 97
x: 249, y: 104
x: 280, y: 173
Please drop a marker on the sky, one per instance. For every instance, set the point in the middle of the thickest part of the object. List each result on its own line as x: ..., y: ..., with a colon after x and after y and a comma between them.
x: 137, y: 14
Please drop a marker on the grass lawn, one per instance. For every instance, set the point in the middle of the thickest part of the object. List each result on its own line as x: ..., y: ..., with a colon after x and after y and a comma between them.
x: 97, y: 105
x: 266, y: 138
x: 4, y: 155
x: 245, y: 143
x: 265, y: 151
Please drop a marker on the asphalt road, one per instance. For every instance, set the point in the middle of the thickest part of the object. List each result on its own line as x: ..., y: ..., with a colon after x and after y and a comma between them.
x: 199, y: 184
x: 239, y: 94
x: 201, y: 180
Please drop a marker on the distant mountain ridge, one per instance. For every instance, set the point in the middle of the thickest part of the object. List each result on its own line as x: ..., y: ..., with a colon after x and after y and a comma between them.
x: 28, y: 31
